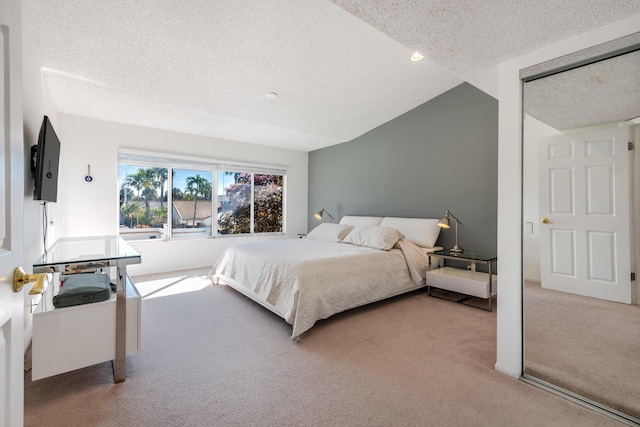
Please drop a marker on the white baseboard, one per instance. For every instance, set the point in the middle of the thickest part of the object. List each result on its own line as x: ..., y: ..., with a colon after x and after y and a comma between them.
x: 507, y: 371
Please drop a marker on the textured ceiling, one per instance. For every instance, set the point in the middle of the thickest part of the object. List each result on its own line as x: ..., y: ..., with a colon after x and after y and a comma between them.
x: 471, y: 37
x: 340, y: 68
x: 604, y: 92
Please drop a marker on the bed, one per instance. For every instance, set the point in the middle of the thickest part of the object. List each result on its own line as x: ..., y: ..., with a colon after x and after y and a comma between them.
x: 335, y: 268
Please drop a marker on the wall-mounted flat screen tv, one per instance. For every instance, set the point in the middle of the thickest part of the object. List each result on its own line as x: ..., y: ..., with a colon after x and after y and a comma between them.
x: 45, y: 159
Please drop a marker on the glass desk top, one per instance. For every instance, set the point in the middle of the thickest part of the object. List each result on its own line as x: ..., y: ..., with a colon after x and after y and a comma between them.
x: 466, y: 255
x: 85, y: 250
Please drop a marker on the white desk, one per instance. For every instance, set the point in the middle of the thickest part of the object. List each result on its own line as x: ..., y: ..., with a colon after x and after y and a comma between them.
x: 86, y: 329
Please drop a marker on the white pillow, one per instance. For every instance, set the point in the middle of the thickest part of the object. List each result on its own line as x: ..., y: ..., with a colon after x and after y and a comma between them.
x: 422, y: 231
x: 375, y: 237
x: 329, y: 232
x: 356, y: 221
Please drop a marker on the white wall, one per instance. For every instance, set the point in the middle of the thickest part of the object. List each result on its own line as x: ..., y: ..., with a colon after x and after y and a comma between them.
x: 36, y: 104
x: 92, y: 208
x: 509, y: 331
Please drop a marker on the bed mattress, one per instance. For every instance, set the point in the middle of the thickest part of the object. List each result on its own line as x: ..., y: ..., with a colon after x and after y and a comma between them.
x: 305, y: 280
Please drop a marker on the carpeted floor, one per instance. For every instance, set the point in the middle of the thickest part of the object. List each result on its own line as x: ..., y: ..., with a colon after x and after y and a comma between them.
x: 588, y: 346
x: 211, y: 357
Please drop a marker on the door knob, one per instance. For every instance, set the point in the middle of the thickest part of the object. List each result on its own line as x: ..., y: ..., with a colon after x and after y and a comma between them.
x: 20, y: 278
x: 546, y: 221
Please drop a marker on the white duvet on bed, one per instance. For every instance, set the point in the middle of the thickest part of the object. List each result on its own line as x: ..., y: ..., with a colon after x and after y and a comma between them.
x: 306, y: 280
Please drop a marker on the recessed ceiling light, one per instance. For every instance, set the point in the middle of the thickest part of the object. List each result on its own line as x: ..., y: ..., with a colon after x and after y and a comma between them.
x: 271, y: 95
x: 416, y: 56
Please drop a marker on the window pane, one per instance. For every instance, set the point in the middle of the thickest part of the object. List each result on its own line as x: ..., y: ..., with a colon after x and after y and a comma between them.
x: 267, y: 199
x: 234, y: 202
x: 143, y: 201
x: 192, y: 205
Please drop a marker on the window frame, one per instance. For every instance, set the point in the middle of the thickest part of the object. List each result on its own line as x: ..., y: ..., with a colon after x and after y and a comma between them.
x: 147, y: 159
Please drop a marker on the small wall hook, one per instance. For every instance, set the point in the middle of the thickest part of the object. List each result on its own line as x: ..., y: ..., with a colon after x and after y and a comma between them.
x: 88, y: 178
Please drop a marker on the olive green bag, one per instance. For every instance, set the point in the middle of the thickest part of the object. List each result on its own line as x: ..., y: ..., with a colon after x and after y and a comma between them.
x: 83, y: 289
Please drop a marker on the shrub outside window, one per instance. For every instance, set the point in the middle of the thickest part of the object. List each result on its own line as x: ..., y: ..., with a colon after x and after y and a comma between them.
x: 234, y: 202
x: 267, y: 203
x: 238, y: 191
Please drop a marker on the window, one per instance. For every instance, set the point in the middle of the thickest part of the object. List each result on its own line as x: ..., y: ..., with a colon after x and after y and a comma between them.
x: 238, y: 191
x: 248, y: 199
x: 143, y: 201
x: 191, y: 203
x: 267, y: 203
x: 234, y: 201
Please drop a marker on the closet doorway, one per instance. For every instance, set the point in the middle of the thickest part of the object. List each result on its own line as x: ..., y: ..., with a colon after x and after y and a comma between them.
x: 580, y: 184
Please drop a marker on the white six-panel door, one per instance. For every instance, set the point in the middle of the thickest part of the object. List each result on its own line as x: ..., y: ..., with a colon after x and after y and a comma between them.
x: 11, y: 221
x: 584, y: 209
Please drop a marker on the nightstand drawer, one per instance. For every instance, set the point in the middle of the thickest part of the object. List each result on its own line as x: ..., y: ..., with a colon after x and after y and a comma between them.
x: 474, y: 283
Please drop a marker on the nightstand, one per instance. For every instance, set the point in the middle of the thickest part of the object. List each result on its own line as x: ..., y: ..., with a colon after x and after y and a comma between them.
x: 471, y: 284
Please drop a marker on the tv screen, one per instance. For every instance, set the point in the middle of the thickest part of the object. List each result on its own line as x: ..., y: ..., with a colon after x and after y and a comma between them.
x: 47, y: 157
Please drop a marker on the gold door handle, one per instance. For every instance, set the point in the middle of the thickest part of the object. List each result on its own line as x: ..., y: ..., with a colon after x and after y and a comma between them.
x: 20, y: 278
x: 546, y: 221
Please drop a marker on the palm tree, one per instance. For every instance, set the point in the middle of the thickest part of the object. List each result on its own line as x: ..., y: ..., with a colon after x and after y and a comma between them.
x: 161, y: 178
x: 177, y: 194
x: 145, y: 181
x: 197, y: 185
x: 130, y: 210
x: 133, y: 181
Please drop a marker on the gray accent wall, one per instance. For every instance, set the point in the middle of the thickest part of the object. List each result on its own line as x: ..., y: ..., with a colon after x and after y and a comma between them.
x: 441, y: 155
